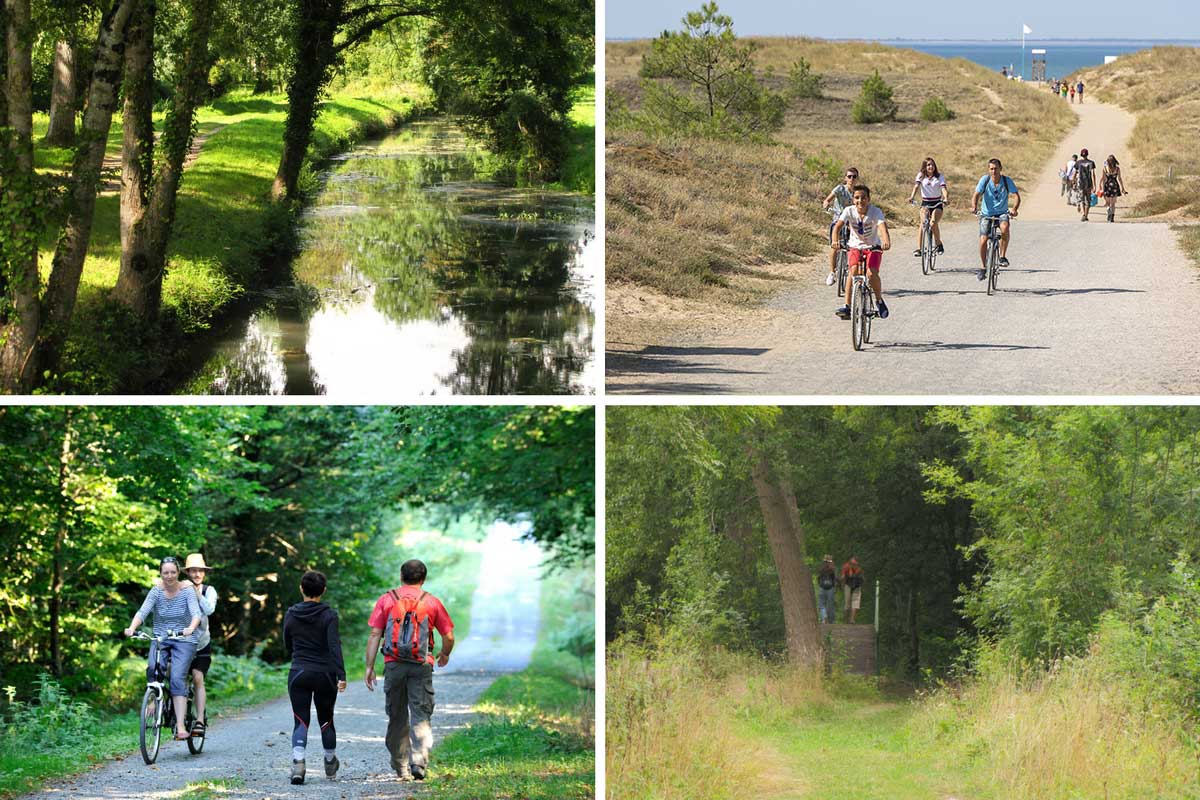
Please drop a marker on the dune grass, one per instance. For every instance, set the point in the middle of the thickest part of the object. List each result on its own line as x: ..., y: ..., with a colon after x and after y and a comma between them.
x: 691, y: 217
x: 225, y: 234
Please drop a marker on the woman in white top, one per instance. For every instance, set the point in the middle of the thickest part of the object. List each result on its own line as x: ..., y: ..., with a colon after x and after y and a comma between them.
x: 934, y: 197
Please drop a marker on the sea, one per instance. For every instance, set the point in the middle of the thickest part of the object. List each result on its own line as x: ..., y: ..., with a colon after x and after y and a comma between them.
x: 1063, y: 56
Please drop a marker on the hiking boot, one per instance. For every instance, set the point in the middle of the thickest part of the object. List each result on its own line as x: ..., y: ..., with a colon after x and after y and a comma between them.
x: 297, y: 773
x: 331, y: 766
x: 418, y: 772
x: 829, y: 279
x: 1003, y: 261
x: 843, y: 312
x: 940, y: 249
x: 883, y: 309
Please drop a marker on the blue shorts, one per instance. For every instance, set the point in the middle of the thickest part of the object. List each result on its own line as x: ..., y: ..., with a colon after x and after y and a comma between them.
x: 984, y: 222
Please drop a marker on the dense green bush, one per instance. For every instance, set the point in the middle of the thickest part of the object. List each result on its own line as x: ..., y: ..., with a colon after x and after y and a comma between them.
x: 874, y: 103
x: 51, y: 722
x: 935, y: 110
x: 802, y: 81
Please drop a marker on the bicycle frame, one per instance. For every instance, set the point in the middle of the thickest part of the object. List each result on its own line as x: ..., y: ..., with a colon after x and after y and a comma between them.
x: 862, y: 301
x: 992, y: 255
x: 158, y: 695
x: 928, y: 250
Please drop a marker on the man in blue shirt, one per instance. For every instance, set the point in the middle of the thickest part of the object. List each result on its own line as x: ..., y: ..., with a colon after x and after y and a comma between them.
x: 994, y: 189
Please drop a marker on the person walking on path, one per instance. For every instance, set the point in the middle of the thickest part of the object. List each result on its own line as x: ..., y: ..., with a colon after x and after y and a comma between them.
x: 1072, y: 94
x: 1085, y: 182
x: 1112, y: 184
x: 206, y: 597
x: 310, y: 636
x: 404, y: 620
x: 827, y: 581
x: 852, y: 581
x: 173, y: 607
x: 1079, y: 91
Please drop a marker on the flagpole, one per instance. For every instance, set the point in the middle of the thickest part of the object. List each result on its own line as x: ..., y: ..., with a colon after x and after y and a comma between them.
x: 1022, y: 53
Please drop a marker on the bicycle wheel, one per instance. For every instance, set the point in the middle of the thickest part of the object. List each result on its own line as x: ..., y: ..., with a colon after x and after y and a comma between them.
x: 195, y: 743
x: 858, y: 314
x: 151, y: 725
x: 926, y: 250
x: 991, y: 266
x: 869, y: 314
x: 841, y: 273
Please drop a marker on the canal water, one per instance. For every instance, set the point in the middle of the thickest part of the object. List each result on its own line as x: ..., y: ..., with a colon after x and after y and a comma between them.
x: 420, y: 273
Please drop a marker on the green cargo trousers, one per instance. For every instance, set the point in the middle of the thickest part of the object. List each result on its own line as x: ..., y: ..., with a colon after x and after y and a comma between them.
x: 408, y: 692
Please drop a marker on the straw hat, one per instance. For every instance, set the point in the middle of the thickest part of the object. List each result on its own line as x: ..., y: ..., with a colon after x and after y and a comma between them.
x: 828, y: 558
x: 195, y: 561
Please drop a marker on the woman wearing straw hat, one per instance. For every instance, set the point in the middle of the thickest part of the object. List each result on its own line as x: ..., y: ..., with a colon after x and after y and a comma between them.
x: 196, y: 571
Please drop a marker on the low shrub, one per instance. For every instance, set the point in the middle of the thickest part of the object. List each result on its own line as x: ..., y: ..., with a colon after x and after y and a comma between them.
x: 935, y: 110
x: 52, y: 722
x: 803, y: 82
x: 874, y: 103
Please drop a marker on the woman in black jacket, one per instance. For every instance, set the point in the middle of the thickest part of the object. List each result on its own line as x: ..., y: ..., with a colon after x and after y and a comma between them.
x: 310, y: 634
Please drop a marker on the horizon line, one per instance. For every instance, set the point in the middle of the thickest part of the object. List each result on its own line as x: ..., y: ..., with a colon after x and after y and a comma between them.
x: 916, y: 39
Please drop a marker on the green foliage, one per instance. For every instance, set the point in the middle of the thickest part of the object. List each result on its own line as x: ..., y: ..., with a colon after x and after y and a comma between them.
x: 510, y: 65
x: 720, y: 96
x: 52, y: 722
x: 874, y: 103
x: 935, y: 110
x: 803, y: 82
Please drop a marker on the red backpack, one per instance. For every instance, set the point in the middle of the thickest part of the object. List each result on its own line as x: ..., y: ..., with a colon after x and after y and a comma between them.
x: 408, y: 635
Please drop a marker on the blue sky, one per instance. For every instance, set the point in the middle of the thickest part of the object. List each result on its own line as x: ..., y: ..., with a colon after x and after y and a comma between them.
x: 912, y: 19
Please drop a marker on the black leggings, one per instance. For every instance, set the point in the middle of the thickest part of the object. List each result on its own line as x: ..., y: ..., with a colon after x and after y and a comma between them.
x: 305, y: 688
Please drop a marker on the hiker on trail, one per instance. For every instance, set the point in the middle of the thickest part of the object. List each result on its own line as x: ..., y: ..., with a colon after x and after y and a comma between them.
x: 405, y: 619
x: 1112, y: 184
x: 310, y: 635
x: 827, y: 581
x: 174, y: 607
x: 1079, y: 91
x: 1072, y: 94
x: 206, y: 597
x: 1063, y: 90
x: 1068, y: 175
x: 852, y: 581
x: 1085, y: 182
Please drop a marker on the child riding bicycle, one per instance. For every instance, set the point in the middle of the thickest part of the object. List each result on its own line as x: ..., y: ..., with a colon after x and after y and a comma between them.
x: 868, y: 230
x: 934, y: 197
x: 839, y: 198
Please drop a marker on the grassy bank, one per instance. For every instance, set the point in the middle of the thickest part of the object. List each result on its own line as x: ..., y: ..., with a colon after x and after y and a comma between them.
x: 579, y: 169
x: 698, y: 218
x: 1079, y: 730
x: 537, y: 737
x: 226, y: 233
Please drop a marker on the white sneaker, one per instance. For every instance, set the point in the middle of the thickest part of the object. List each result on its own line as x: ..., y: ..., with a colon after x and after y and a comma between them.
x: 829, y: 279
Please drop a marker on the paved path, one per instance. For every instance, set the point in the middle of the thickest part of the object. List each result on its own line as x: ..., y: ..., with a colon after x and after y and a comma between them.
x: 255, y: 746
x: 1085, y: 308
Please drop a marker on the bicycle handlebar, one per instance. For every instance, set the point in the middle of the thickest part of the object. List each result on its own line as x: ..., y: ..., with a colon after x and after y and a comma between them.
x: 148, y: 637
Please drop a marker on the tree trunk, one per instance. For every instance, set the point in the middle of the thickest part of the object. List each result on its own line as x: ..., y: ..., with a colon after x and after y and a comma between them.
x: 317, y: 24
x: 787, y: 549
x: 19, y: 245
x: 139, y: 283
x: 59, y: 302
x: 61, y: 132
x: 66, y: 454
x: 137, y: 154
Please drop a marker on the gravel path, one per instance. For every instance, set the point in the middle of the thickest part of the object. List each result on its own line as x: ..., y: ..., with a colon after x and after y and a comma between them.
x: 255, y: 745
x: 1085, y: 308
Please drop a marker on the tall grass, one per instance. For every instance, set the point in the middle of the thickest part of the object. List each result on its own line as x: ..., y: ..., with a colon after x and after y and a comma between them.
x: 672, y: 723
x: 697, y: 217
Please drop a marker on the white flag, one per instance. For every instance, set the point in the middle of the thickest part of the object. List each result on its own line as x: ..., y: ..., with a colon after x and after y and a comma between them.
x: 1027, y: 30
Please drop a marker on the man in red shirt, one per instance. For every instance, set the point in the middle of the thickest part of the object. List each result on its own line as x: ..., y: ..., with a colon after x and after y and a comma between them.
x: 408, y: 682
x: 852, y: 580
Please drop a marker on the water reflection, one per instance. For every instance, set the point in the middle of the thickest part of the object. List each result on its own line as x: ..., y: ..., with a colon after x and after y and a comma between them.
x: 418, y: 275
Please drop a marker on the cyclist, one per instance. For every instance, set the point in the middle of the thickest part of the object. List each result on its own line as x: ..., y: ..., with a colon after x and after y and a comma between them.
x: 173, y: 606
x: 993, y: 189
x: 1085, y: 182
x: 934, y: 197
x: 310, y: 634
x: 838, y: 199
x: 206, y: 596
x: 868, y: 228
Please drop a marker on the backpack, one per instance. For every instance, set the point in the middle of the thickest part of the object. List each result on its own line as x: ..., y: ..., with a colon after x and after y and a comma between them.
x: 408, y: 634
x: 854, y: 580
x: 827, y: 580
x: 1085, y: 172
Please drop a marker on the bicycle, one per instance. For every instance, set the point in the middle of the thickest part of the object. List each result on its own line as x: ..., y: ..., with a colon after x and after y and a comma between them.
x: 928, y: 248
x: 841, y: 269
x: 157, y: 710
x: 991, y: 255
x: 862, y: 301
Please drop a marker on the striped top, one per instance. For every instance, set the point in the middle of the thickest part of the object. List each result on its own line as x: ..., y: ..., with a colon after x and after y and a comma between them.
x: 171, y: 613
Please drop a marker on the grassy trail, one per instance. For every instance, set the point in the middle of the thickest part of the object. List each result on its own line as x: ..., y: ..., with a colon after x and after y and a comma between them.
x: 868, y: 744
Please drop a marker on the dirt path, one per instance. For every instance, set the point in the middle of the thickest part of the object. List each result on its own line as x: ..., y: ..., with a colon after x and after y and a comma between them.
x: 255, y: 746
x: 110, y: 168
x: 1084, y: 309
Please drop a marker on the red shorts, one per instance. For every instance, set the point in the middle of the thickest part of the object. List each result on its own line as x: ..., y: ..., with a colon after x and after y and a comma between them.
x: 874, y: 259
